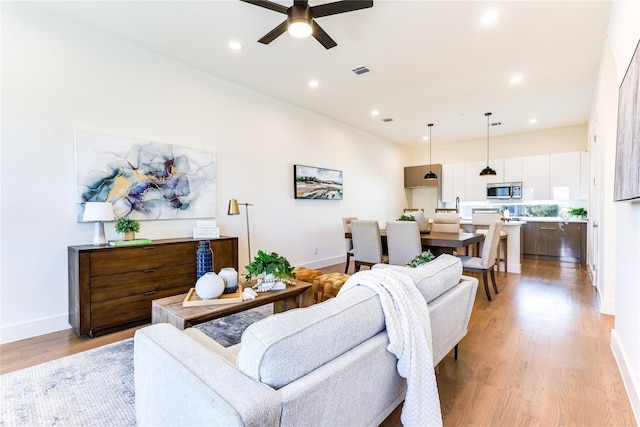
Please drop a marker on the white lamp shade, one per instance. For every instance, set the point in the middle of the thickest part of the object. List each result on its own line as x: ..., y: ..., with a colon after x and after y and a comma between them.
x: 98, y: 211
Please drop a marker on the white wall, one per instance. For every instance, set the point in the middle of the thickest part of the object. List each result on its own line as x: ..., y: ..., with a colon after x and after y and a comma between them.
x: 58, y: 77
x: 619, y: 271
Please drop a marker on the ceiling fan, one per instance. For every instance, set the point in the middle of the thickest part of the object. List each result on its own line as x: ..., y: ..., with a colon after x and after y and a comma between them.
x: 300, y: 18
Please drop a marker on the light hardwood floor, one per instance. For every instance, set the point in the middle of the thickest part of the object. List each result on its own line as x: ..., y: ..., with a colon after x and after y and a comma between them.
x: 537, y: 355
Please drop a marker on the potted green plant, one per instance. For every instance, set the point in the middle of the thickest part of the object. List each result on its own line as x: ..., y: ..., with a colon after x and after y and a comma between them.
x: 128, y: 227
x: 421, y: 258
x: 276, y: 270
x: 407, y: 218
x: 578, y: 212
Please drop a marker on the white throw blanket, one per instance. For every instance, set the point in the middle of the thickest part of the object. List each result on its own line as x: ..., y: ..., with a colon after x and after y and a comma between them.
x: 409, y: 330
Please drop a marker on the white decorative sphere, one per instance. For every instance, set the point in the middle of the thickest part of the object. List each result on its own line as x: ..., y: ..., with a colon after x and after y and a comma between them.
x: 209, y: 286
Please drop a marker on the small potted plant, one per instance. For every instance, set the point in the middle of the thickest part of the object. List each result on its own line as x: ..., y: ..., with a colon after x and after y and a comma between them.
x: 275, y: 269
x: 127, y: 226
x: 578, y: 212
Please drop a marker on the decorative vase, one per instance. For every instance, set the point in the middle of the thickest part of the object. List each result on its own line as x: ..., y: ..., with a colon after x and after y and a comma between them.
x: 271, y: 283
x: 230, y: 277
x: 210, y: 286
x: 204, y: 259
x: 130, y: 235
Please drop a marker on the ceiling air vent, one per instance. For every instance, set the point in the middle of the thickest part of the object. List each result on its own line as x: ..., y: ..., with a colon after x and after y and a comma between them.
x: 361, y: 70
x: 387, y: 119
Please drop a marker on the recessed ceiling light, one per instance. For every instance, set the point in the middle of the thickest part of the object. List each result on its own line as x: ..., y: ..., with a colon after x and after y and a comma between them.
x: 313, y: 84
x: 375, y: 113
x: 489, y: 17
x: 516, y: 79
x: 425, y: 138
x: 235, y: 45
x: 533, y: 120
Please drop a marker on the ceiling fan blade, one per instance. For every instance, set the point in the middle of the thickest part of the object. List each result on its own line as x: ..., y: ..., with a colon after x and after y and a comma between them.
x: 339, y: 7
x: 322, y: 36
x: 273, y: 34
x: 268, y: 5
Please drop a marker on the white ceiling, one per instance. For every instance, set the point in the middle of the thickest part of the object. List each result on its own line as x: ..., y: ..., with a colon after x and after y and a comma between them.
x: 431, y: 61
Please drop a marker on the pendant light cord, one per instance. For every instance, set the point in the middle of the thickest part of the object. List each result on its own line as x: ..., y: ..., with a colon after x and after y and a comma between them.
x: 430, y: 125
x: 488, y: 115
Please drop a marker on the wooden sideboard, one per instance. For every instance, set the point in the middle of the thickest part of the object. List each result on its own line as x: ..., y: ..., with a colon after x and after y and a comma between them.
x: 111, y: 288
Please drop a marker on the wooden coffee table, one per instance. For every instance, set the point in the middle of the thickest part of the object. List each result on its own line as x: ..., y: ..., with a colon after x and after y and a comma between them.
x: 170, y: 309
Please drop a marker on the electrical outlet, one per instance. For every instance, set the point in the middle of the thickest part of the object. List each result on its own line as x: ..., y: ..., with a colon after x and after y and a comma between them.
x: 315, y: 251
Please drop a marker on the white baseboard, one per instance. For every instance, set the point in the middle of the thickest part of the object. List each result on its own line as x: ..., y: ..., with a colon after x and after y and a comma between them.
x: 633, y: 389
x: 21, y: 331
x: 324, y: 262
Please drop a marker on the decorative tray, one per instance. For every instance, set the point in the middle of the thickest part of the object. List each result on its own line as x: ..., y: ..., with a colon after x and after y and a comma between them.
x: 192, y: 299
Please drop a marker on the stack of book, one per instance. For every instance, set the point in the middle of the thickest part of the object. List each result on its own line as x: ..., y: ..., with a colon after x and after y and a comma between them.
x: 129, y: 242
x: 206, y: 229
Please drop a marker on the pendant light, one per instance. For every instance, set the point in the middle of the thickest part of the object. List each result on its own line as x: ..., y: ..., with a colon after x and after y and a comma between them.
x: 488, y: 171
x: 430, y: 176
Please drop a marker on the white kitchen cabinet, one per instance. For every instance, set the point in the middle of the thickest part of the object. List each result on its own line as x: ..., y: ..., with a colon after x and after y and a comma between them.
x: 585, y: 174
x: 475, y: 186
x: 498, y: 166
x: 535, y: 177
x: 564, y: 176
x: 513, y: 169
x: 452, y: 182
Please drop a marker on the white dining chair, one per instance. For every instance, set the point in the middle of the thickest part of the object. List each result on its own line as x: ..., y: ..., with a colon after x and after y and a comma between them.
x: 487, y: 261
x: 346, y: 225
x: 403, y: 241
x: 446, y: 222
x: 481, y: 221
x: 367, y: 245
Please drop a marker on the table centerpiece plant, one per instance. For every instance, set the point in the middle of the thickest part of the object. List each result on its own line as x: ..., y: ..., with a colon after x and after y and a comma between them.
x: 421, y: 258
x: 128, y: 227
x: 276, y: 270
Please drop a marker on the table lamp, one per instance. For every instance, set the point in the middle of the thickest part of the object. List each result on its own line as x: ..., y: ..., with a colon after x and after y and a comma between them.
x: 98, y: 212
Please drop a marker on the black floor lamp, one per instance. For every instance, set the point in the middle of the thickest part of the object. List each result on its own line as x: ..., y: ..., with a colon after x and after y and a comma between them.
x: 235, y: 210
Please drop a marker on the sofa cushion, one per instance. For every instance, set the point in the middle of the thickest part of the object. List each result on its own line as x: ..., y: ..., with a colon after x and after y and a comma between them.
x: 286, y: 346
x: 433, y: 278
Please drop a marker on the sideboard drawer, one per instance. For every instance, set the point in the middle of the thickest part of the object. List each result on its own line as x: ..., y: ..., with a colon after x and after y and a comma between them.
x: 127, y: 310
x: 140, y: 282
x: 147, y: 257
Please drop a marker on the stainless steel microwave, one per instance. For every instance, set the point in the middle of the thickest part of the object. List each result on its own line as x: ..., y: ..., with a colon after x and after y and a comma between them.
x: 504, y: 190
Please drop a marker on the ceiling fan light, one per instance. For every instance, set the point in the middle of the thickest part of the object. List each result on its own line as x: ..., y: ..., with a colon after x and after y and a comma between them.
x: 488, y: 172
x: 299, y: 29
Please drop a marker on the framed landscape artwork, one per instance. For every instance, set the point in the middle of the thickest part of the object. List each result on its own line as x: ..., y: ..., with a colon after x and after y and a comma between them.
x: 317, y: 183
x: 627, y: 173
x: 144, y: 180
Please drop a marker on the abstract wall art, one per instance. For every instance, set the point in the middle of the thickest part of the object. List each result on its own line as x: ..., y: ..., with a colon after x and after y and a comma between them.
x: 626, y: 184
x: 143, y: 179
x: 317, y: 183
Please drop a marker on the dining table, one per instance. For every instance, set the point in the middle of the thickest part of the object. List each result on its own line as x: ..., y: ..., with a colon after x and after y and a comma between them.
x: 438, y: 242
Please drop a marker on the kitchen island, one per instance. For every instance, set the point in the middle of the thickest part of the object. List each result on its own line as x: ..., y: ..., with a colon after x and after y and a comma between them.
x: 513, y: 229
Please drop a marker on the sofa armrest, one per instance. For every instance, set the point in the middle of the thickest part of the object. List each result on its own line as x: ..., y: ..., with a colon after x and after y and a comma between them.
x: 179, y: 381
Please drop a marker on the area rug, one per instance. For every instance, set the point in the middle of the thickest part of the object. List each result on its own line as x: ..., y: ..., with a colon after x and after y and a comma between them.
x: 95, y: 387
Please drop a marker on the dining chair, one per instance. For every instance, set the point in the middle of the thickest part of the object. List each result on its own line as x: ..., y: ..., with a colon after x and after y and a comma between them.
x: 487, y: 261
x: 403, y: 241
x: 446, y: 222
x: 346, y: 225
x: 481, y: 219
x: 367, y: 245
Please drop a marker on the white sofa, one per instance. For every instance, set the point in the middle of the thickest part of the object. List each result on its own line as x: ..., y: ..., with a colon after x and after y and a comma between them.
x: 324, y: 365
